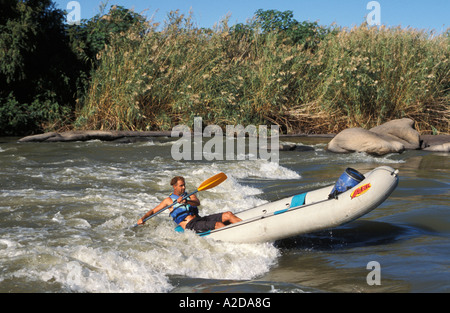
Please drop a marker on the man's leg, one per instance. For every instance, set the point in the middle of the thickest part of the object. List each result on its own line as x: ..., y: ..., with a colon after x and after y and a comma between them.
x: 230, y: 218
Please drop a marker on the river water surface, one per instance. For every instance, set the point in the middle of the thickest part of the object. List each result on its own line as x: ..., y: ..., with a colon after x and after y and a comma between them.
x: 66, y: 210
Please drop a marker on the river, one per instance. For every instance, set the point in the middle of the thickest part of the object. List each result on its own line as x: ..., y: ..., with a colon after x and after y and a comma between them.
x: 66, y: 211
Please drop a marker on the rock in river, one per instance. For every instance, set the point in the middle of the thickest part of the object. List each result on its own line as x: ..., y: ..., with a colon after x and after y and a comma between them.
x: 392, y: 137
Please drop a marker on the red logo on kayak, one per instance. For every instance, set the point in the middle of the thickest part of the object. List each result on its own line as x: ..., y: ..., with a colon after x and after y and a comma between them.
x: 360, y: 190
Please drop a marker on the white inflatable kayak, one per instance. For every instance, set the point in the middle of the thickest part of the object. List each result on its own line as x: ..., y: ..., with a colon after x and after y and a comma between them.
x: 311, y: 211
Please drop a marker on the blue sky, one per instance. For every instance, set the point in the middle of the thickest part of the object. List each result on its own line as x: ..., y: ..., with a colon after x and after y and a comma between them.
x: 421, y: 14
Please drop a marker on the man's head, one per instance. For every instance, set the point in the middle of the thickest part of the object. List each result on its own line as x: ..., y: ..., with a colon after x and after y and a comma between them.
x: 178, y: 185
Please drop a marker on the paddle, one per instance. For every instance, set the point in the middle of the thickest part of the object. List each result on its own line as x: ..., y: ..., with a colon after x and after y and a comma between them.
x: 207, y: 184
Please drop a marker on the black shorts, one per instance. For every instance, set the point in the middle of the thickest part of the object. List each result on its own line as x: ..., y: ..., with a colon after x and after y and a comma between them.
x: 202, y: 224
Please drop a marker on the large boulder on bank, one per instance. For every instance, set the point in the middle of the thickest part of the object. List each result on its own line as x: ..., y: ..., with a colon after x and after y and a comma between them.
x: 362, y: 140
x: 440, y: 143
x: 392, y: 137
x: 402, y: 131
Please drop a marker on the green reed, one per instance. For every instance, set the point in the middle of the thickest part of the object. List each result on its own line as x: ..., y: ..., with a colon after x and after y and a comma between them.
x: 354, y: 77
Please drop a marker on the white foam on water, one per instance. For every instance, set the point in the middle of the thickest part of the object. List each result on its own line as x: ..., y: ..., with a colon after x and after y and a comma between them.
x: 355, y: 157
x: 76, y: 226
x: 142, y: 262
x: 361, y: 157
x: 261, y: 169
x: 92, y: 269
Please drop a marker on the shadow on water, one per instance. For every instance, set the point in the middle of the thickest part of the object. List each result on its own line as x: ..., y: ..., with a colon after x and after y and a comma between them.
x: 353, y: 235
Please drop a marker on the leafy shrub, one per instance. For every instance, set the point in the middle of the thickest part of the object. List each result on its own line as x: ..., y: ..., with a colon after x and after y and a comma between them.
x: 38, y: 71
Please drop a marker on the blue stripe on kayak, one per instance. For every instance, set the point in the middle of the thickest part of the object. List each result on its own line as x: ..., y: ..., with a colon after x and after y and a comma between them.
x: 206, y: 233
x: 280, y: 211
x: 298, y: 200
x: 179, y: 229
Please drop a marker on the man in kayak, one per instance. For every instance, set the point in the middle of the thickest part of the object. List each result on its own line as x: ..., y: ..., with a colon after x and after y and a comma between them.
x: 185, y: 212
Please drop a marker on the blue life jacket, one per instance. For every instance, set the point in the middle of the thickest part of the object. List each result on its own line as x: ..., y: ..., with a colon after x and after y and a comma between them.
x: 181, y: 211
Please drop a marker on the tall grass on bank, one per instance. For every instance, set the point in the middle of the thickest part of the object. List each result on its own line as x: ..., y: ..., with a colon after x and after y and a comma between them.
x: 359, y: 77
x: 373, y: 75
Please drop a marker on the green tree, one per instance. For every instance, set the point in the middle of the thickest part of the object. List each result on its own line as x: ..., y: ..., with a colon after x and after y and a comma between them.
x: 289, y: 30
x: 90, y: 37
x: 306, y: 33
x: 38, y: 70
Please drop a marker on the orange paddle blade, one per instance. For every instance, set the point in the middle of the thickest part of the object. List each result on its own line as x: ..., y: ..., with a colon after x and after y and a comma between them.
x: 212, y: 182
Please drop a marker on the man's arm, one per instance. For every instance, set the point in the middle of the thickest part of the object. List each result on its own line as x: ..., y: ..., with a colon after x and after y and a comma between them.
x: 193, y: 200
x: 158, y: 208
